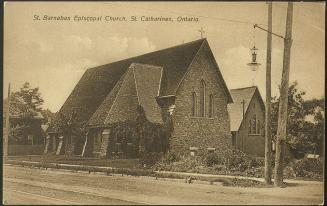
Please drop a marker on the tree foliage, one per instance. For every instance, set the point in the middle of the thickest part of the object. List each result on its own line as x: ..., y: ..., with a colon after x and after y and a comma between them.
x: 47, y: 115
x: 303, y: 136
x: 26, y: 102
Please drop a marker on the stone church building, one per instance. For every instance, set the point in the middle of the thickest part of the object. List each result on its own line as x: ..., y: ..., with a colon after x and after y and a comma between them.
x: 247, y: 116
x: 173, y: 99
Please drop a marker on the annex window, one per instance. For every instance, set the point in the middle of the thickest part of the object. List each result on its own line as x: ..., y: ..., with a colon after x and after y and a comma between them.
x: 211, y: 106
x: 202, y: 98
x: 193, y: 104
x: 254, y: 124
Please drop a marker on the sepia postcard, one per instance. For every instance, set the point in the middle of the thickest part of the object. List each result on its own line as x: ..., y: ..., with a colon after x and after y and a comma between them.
x: 192, y: 103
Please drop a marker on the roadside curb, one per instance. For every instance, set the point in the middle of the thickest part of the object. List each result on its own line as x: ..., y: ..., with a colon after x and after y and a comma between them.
x: 110, y: 171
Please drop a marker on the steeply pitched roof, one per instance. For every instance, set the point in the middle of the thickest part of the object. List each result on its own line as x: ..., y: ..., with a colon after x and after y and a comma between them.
x: 139, y: 86
x: 148, y: 80
x: 125, y: 104
x: 235, y: 110
x: 97, y: 83
x: 89, y: 93
x: 100, y: 115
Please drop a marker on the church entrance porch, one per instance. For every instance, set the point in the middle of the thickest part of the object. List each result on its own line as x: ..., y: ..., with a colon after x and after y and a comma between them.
x: 126, y: 140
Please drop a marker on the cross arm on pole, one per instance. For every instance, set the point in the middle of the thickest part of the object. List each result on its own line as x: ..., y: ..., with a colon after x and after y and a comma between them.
x: 256, y: 25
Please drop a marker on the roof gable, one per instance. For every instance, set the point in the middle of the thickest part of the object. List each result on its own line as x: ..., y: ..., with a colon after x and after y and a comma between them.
x: 139, y: 86
x: 208, y: 52
x: 148, y: 80
x: 125, y: 104
x: 235, y: 109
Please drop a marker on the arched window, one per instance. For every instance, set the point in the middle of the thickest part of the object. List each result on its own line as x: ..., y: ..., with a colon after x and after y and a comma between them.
x: 211, y: 106
x: 193, y: 104
x: 202, y: 98
x: 258, y: 127
x: 254, y: 125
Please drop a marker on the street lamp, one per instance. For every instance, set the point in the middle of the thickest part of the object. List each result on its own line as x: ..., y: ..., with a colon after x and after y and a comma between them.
x: 254, y: 65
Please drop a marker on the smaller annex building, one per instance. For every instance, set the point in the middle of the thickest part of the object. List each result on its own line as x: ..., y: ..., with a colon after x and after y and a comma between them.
x: 247, y: 115
x: 26, y: 136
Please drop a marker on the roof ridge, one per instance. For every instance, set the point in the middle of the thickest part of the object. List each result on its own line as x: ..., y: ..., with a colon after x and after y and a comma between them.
x: 137, y: 92
x: 148, y: 65
x: 244, y: 88
x: 159, y: 50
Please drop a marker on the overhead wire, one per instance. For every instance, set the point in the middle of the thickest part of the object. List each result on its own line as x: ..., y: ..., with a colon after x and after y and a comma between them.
x: 202, y: 16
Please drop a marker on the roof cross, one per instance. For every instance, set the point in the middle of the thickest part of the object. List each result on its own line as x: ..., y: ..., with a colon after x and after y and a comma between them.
x: 202, y: 32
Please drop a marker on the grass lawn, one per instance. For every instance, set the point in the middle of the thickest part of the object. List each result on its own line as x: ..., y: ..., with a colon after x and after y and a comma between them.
x: 132, y: 166
x: 77, y: 160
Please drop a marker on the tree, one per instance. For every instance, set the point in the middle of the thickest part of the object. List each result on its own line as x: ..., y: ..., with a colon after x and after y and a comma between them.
x: 24, y: 105
x: 302, y: 136
x: 26, y: 102
x: 315, y: 125
x: 47, y: 115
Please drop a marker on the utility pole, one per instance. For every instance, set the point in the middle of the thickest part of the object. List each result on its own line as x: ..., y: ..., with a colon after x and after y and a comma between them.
x: 268, y: 100
x: 243, y: 112
x: 283, y: 101
x: 6, y: 136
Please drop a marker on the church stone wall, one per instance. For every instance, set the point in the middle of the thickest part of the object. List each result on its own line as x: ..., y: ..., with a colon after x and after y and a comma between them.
x: 201, y: 132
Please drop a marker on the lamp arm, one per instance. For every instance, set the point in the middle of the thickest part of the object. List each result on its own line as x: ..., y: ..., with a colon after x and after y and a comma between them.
x: 256, y: 25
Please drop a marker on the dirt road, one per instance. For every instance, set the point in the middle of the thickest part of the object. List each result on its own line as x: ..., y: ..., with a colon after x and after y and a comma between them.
x: 35, y: 186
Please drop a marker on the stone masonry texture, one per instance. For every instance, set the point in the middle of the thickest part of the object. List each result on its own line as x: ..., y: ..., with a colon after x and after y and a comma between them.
x: 201, y: 132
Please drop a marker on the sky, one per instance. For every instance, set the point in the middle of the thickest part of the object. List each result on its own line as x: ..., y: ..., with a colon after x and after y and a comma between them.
x: 54, y: 54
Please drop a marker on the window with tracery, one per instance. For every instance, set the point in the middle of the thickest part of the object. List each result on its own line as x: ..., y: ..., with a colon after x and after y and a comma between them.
x: 193, y: 104
x: 202, y: 98
x: 211, y: 112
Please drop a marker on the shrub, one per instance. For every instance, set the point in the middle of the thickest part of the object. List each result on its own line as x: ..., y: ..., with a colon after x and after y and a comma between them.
x: 149, y: 159
x: 220, y: 169
x: 187, y: 164
x: 239, y: 160
x: 170, y: 157
x: 213, y: 159
x: 303, y: 166
x: 256, y: 162
x: 254, y: 172
x: 289, y: 172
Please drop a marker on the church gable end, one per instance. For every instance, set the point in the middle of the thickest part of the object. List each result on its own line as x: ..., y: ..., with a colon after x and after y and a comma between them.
x: 205, y: 124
